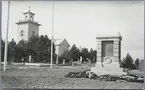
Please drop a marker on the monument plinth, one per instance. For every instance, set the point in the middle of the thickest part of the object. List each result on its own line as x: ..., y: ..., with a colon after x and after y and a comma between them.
x: 108, y: 55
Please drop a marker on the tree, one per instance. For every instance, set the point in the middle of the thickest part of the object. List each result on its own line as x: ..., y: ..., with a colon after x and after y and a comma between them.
x: 43, y: 49
x: 74, y: 52
x: 95, y: 55
x: 136, y: 63
x: 91, y: 54
x: 85, y: 53
x: 20, y: 51
x: 128, y: 61
x: 66, y: 55
x: 2, y: 50
x: 31, y: 45
x: 40, y: 49
x: 11, y: 51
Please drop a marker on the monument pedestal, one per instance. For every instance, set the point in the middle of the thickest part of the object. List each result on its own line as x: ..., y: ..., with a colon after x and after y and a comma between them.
x: 112, y: 69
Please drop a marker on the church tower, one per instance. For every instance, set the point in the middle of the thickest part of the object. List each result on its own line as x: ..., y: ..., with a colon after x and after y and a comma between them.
x: 27, y: 27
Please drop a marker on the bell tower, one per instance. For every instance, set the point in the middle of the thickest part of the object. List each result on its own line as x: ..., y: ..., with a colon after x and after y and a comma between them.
x: 29, y: 15
x: 28, y: 27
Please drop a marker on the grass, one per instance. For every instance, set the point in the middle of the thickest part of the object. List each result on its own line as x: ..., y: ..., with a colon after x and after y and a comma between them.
x: 54, y: 78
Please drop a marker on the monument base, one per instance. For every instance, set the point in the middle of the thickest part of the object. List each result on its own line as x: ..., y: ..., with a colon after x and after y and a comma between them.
x: 112, y: 69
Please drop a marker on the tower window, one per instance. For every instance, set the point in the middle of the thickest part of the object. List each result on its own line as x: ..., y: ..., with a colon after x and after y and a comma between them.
x: 22, y: 33
x: 25, y: 16
x: 31, y: 17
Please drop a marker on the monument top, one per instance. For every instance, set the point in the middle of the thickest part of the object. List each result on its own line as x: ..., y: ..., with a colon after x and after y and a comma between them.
x: 109, y: 35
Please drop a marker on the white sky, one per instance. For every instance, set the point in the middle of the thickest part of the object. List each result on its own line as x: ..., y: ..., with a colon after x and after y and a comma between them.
x: 80, y: 21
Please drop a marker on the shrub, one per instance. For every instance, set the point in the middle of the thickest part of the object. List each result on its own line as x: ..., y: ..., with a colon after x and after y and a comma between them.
x: 107, y: 77
x: 77, y: 75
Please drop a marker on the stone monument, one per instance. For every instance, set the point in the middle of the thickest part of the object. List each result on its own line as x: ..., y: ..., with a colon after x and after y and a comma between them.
x: 63, y: 61
x: 30, y: 58
x: 108, y: 55
x: 81, y: 59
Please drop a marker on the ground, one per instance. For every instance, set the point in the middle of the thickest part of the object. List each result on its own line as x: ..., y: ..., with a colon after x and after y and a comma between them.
x: 54, y: 78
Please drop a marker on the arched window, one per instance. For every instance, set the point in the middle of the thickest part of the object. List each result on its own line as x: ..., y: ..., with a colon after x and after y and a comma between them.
x: 22, y: 33
x: 33, y: 33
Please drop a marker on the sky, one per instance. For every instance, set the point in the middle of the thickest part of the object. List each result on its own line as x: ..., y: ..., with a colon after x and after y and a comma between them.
x: 80, y: 21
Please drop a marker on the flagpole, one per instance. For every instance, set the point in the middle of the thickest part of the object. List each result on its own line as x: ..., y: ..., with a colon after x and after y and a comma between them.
x: 52, y: 34
x: 6, y: 41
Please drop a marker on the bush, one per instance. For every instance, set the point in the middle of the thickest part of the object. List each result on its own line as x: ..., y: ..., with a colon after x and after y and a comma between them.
x: 107, y: 77
x: 92, y: 76
x: 77, y: 75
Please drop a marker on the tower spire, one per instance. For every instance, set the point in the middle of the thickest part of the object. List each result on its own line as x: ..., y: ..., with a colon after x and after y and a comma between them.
x: 29, y: 8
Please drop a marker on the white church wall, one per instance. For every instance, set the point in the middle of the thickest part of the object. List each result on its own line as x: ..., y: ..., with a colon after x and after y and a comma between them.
x: 62, y: 49
x: 33, y: 27
x: 23, y: 27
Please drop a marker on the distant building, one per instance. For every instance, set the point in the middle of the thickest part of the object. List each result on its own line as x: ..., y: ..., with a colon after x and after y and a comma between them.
x: 61, y: 47
x: 27, y: 27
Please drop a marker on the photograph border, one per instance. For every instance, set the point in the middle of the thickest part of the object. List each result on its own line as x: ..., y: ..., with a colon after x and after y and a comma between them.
x: 53, y: 0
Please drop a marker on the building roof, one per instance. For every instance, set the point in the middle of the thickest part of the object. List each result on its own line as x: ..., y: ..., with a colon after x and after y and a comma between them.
x: 29, y: 12
x: 62, y: 42
x: 109, y: 35
x: 58, y: 41
x: 28, y: 21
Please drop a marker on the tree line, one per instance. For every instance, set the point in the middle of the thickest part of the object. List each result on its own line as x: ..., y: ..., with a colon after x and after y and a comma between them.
x: 128, y: 62
x: 39, y: 47
x: 75, y: 53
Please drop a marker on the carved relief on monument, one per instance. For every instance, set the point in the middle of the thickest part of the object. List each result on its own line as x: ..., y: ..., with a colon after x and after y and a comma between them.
x: 107, y: 60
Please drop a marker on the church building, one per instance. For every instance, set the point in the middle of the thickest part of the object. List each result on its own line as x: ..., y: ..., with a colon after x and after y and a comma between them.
x: 27, y: 27
x: 61, y: 46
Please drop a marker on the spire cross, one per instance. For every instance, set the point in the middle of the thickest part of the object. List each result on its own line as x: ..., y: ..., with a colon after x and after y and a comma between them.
x: 29, y: 8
